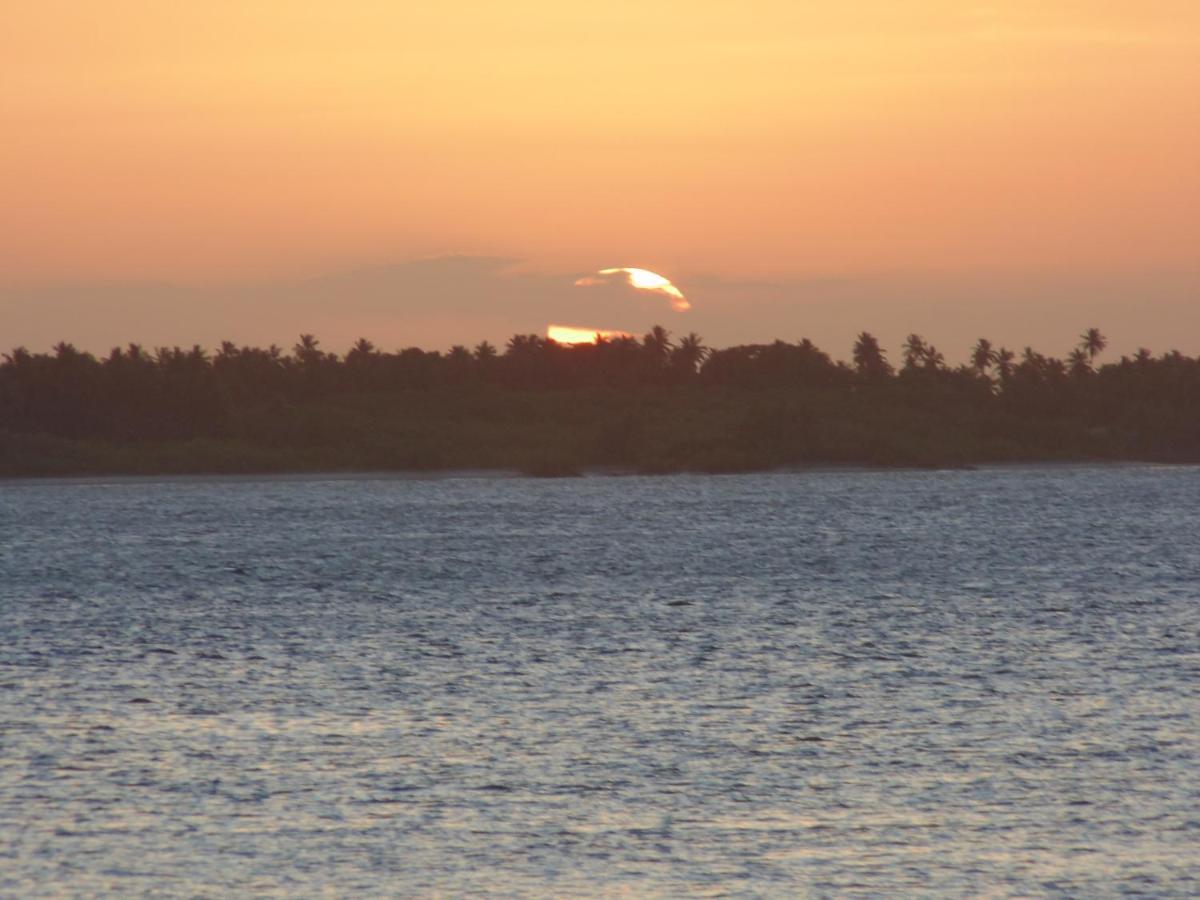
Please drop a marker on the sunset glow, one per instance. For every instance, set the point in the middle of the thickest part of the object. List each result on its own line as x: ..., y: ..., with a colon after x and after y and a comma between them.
x: 643, y: 280
x: 571, y: 334
x: 815, y: 168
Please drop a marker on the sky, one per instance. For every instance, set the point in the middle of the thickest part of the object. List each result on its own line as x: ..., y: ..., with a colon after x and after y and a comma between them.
x: 443, y: 173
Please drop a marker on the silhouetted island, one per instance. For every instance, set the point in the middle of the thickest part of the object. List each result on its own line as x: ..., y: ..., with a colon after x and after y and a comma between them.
x: 653, y: 405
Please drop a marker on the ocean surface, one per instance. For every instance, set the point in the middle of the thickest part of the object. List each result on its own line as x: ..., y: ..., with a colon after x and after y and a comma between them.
x: 826, y: 683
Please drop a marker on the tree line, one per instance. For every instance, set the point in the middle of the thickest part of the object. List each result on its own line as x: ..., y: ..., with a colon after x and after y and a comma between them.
x: 135, y: 394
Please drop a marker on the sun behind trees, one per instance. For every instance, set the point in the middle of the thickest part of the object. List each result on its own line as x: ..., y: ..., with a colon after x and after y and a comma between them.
x: 660, y: 403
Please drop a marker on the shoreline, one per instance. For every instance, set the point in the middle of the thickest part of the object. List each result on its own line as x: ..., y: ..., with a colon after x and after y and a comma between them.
x: 590, y: 472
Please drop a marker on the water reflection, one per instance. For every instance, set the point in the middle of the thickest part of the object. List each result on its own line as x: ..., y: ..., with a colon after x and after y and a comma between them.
x: 764, y: 684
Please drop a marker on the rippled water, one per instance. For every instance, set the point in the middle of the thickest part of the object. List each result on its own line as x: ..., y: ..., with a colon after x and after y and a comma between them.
x: 827, y: 683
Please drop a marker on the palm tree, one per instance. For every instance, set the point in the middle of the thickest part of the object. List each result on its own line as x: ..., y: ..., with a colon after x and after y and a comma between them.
x: 869, y: 358
x: 306, y: 350
x: 1078, y: 363
x: 19, y: 357
x: 689, y: 353
x: 362, y: 363
x: 520, y: 344
x: 1092, y: 342
x: 459, y: 359
x: 933, y: 360
x: 657, y: 343
x: 361, y: 354
x: 983, y: 356
x: 459, y: 363
x: 914, y: 351
x: 1004, y: 364
x: 484, y: 352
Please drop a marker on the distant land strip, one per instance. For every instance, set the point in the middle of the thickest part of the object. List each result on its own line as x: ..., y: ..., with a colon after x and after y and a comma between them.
x: 652, y: 405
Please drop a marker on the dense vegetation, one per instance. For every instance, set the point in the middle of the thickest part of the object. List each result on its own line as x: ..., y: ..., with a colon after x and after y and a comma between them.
x: 649, y: 405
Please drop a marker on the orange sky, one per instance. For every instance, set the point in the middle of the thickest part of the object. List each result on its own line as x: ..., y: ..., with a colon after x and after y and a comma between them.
x: 763, y: 142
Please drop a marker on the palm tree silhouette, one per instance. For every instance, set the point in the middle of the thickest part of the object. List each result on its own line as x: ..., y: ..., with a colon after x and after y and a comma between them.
x: 522, y: 344
x: 306, y: 350
x: 1079, y: 364
x: 914, y: 351
x: 362, y: 347
x: 362, y: 362
x: 933, y: 359
x: 657, y: 344
x: 689, y: 353
x: 1092, y: 342
x: 983, y: 356
x: 869, y: 358
x: 1004, y: 364
x: 20, y: 356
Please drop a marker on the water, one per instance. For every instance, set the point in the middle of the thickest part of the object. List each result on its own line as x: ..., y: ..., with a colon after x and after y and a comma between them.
x: 825, y: 683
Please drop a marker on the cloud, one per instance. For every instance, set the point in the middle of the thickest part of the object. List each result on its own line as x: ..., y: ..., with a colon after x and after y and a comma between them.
x: 638, y: 279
